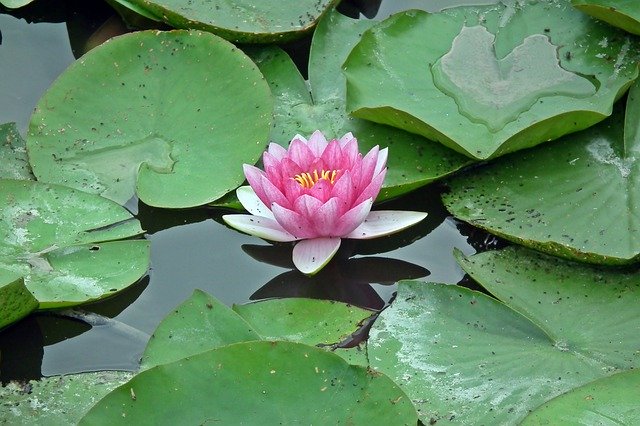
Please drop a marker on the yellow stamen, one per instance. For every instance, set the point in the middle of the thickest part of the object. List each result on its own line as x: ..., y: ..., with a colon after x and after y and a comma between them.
x: 307, y: 180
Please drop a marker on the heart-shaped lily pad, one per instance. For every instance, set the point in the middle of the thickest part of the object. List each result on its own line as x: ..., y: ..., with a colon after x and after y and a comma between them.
x: 466, y: 357
x: 623, y: 14
x: 413, y: 160
x: 609, y: 401
x: 16, y: 301
x: 256, y: 383
x: 55, y: 237
x: 241, y: 20
x: 486, y: 81
x: 560, y: 198
x: 14, y: 163
x: 169, y: 116
x: 14, y: 4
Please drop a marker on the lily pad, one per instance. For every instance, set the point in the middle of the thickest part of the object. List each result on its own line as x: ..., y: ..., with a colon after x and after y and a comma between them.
x: 168, y: 116
x: 14, y: 4
x: 623, y: 14
x: 14, y: 163
x: 61, y: 241
x: 314, y: 322
x: 413, y: 160
x: 256, y: 383
x: 200, y: 323
x: 57, y: 400
x: 465, y: 357
x: 608, y: 401
x: 490, y: 80
x: 241, y: 20
x: 560, y: 198
x: 16, y: 302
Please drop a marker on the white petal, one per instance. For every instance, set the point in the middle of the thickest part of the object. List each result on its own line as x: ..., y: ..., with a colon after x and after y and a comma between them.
x: 310, y: 256
x: 382, y: 160
x: 385, y: 222
x: 257, y: 226
x: 250, y: 201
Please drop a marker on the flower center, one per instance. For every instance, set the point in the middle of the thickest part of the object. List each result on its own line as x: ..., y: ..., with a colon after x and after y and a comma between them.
x: 307, y: 180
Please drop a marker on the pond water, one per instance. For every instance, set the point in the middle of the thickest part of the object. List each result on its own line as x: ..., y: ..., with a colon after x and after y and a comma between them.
x: 191, y: 249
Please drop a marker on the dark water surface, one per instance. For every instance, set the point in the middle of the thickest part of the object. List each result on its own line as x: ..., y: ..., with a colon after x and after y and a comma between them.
x: 190, y: 248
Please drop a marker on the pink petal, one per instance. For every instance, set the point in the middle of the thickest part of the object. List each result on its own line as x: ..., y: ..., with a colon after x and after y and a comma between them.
x: 385, y: 222
x: 300, y: 154
x: 367, y: 167
x: 272, y: 193
x: 270, y: 161
x: 307, y: 205
x: 293, y: 222
x: 317, y: 143
x: 277, y: 151
x: 258, y: 226
x: 350, y: 151
x: 382, y: 160
x: 288, y: 169
x: 310, y: 256
x: 254, y: 177
x: 372, y: 189
x: 252, y: 203
x: 325, y: 217
x: 343, y: 190
x: 321, y: 190
x: 354, y: 217
x: 292, y: 190
x: 332, y: 156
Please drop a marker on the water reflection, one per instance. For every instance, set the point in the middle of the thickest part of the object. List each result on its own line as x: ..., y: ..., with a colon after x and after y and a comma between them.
x: 344, y: 279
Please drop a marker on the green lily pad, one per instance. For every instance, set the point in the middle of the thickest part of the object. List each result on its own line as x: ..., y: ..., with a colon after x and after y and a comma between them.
x: 560, y: 198
x: 310, y: 321
x: 490, y: 80
x: 256, y: 383
x: 56, y: 400
x: 465, y: 357
x: 241, y: 20
x: 609, y: 401
x: 14, y: 4
x: 623, y: 14
x: 60, y: 240
x: 200, y: 323
x: 169, y: 116
x: 14, y: 163
x: 413, y: 160
x: 16, y: 302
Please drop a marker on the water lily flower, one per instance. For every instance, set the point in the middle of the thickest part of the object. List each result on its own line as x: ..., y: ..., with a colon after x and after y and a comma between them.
x: 316, y: 193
